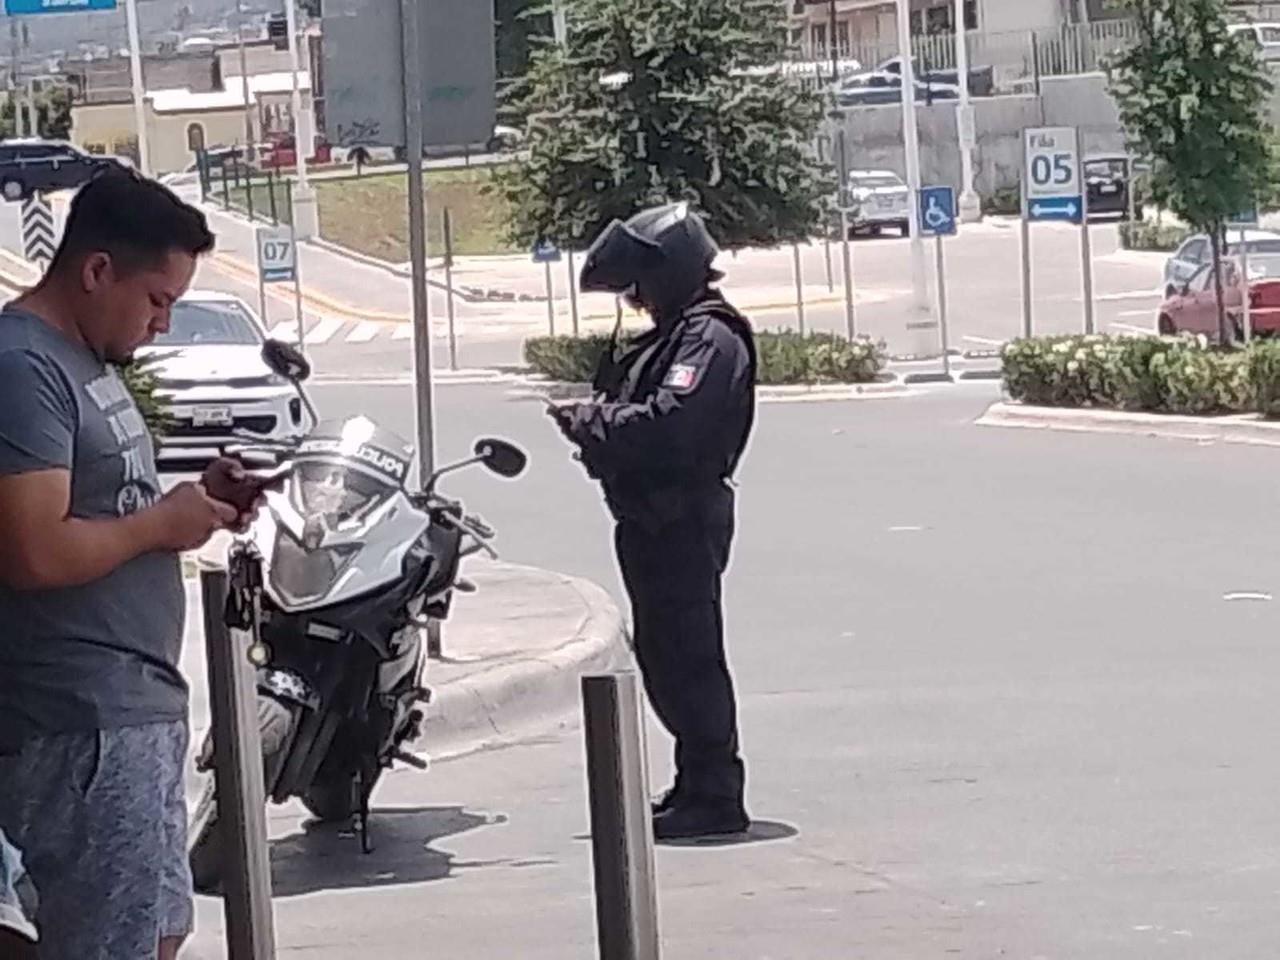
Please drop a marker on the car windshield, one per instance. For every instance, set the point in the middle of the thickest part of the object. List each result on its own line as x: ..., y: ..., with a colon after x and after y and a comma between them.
x: 208, y: 322
x: 1104, y: 168
x: 875, y: 183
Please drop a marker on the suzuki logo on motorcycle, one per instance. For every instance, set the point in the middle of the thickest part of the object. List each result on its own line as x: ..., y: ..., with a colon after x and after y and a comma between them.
x: 380, y: 460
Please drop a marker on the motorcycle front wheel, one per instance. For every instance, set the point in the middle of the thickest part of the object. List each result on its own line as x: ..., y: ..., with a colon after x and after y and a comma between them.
x: 276, y: 723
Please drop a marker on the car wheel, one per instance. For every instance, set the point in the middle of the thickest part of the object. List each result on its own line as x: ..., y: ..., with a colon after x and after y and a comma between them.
x: 1166, y: 327
x: 905, y: 227
x: 875, y: 231
x: 12, y: 190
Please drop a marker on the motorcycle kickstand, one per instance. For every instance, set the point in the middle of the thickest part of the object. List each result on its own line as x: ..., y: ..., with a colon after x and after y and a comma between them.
x: 366, y: 846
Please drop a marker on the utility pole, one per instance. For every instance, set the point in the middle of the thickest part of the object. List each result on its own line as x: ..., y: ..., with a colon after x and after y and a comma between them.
x: 921, y: 333
x: 15, y: 92
x: 411, y: 31
x: 970, y: 206
x: 139, y: 90
x: 306, y: 221
x: 244, y: 82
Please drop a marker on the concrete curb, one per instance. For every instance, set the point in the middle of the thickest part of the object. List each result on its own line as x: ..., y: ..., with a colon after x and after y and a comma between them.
x: 1244, y: 429
x: 524, y: 697
x: 534, y: 389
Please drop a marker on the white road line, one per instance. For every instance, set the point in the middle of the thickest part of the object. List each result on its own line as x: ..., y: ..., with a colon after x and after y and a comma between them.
x: 287, y: 330
x: 1130, y: 328
x: 1246, y: 595
x: 403, y: 331
x: 365, y: 331
x: 323, y: 331
x: 1131, y: 295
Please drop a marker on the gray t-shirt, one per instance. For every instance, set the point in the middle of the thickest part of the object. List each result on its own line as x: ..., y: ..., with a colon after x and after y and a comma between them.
x: 104, y: 654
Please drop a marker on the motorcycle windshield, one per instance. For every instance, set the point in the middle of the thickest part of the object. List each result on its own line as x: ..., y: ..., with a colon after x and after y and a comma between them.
x: 342, y: 473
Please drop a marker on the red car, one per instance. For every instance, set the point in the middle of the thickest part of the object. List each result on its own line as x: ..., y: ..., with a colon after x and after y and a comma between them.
x: 1193, y: 308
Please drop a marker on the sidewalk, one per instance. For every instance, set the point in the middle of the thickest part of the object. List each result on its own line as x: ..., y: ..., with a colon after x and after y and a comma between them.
x: 513, y: 653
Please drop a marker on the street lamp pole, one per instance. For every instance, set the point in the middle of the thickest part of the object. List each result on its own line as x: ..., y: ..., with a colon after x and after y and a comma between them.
x: 305, y: 219
x: 139, y: 93
x: 970, y: 205
x: 921, y: 330
x: 244, y: 83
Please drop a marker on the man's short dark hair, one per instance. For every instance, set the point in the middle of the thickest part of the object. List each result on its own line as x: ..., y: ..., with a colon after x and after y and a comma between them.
x: 136, y: 221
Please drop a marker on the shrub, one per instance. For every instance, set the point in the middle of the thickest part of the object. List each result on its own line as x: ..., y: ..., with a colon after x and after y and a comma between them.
x: 1005, y: 202
x: 1152, y: 236
x: 1264, y: 374
x: 141, y: 384
x: 785, y: 357
x: 567, y: 359
x: 1163, y: 374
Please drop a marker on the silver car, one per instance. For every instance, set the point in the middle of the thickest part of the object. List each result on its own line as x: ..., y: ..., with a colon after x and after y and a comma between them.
x: 877, y: 199
x: 1263, y: 37
x: 1196, y: 251
x: 212, y: 381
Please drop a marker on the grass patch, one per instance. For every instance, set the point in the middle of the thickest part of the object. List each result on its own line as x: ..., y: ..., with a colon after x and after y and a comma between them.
x: 369, y: 214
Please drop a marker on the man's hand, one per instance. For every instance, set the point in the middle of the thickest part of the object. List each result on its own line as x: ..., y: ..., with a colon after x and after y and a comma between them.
x: 188, y: 516
x: 226, y: 480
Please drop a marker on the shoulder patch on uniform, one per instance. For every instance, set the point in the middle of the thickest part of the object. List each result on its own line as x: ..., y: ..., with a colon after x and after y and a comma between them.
x: 681, y: 376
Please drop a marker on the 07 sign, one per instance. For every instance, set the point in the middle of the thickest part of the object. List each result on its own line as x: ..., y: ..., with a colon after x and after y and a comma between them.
x: 277, y: 255
x: 1052, y: 163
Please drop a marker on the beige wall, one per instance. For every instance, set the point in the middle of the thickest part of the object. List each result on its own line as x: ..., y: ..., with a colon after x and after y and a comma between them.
x: 109, y: 128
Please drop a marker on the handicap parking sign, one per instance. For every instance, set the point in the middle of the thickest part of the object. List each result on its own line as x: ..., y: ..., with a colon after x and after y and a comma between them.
x: 544, y: 251
x: 938, y: 211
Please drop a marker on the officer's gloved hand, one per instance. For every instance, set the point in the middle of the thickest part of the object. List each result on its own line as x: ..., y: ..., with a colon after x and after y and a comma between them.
x: 564, y: 414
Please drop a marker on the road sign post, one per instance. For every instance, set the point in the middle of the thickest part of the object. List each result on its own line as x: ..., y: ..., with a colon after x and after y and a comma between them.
x: 938, y: 218
x: 278, y: 263
x: 447, y: 225
x: 798, y: 270
x: 1052, y: 190
x: 846, y: 256
x: 546, y: 253
x: 1243, y: 221
x: 573, y: 292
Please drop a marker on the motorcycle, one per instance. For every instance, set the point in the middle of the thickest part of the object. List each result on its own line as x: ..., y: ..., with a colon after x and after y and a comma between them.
x: 336, y: 583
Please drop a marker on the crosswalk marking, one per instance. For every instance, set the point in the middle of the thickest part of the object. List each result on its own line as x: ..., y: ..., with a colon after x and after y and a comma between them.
x: 365, y: 331
x: 287, y: 330
x: 323, y: 331
x: 403, y: 331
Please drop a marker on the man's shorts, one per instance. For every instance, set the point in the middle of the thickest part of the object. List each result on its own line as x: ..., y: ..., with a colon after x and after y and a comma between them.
x: 100, y: 818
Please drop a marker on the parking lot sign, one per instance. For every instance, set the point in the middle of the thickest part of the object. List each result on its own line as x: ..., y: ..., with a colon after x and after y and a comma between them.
x: 22, y: 7
x: 277, y: 255
x: 938, y: 211
x: 1051, y: 179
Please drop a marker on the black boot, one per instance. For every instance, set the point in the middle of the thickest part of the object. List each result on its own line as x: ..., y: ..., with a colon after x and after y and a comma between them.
x: 691, y: 819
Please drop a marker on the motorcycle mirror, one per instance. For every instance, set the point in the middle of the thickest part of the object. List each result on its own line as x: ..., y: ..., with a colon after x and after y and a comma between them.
x: 503, y: 458
x: 285, y: 360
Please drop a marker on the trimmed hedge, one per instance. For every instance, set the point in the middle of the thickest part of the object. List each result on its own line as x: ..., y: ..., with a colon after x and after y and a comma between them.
x: 785, y: 358
x: 1152, y: 236
x: 1182, y: 375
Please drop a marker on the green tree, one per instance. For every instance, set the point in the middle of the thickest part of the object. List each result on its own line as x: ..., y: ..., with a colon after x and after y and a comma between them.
x: 1192, y: 99
x: 663, y: 100
x: 518, y: 23
x: 53, y: 114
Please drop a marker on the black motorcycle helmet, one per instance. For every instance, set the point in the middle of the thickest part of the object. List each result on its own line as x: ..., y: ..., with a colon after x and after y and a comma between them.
x: 661, y: 257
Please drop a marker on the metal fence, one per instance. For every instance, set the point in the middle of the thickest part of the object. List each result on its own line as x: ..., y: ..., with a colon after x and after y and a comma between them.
x: 1016, y: 61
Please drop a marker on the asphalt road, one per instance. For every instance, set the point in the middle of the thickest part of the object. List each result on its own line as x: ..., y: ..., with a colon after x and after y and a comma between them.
x: 989, y: 678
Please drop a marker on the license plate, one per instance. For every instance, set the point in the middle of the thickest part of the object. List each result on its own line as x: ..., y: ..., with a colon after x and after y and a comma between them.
x: 1110, y: 188
x: 211, y: 417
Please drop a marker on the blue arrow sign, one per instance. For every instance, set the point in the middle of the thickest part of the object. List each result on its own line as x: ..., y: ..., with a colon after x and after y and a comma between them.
x: 544, y: 251
x: 16, y: 7
x: 937, y: 212
x: 1055, y: 208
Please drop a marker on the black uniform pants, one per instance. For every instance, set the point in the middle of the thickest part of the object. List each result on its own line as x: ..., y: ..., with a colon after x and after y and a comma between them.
x: 673, y: 576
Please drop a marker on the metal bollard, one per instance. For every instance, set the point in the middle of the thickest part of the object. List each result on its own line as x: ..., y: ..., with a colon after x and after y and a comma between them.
x: 621, y: 827
x: 242, y: 822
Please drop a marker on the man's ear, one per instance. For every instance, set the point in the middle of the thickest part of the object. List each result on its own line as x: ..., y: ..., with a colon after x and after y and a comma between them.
x: 96, y: 272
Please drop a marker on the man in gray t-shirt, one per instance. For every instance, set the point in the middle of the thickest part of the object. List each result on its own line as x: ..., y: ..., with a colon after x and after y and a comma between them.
x: 92, y: 704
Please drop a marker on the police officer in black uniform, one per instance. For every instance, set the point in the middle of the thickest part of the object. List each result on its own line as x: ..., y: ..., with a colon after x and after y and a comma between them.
x: 671, y: 418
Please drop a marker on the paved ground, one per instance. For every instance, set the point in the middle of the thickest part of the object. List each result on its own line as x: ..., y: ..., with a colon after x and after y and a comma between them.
x: 992, y: 679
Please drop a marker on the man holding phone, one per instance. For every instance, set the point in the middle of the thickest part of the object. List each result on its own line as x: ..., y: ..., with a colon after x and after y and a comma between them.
x: 93, y: 706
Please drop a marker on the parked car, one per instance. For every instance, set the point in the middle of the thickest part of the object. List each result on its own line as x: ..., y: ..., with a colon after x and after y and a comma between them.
x: 1264, y: 37
x: 868, y: 89
x: 1193, y: 307
x: 212, y: 381
x: 28, y: 167
x: 877, y: 199
x: 505, y: 139
x: 1108, y: 180
x: 1196, y: 251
